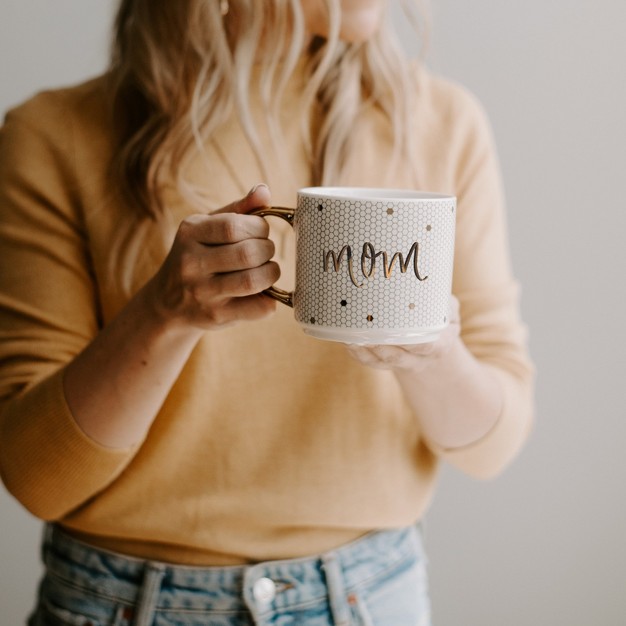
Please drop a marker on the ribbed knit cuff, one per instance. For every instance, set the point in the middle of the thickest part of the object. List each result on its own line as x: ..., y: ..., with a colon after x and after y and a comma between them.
x: 490, y: 454
x: 49, y: 464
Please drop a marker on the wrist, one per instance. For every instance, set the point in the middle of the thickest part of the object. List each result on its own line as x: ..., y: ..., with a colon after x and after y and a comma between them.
x: 164, y: 319
x: 456, y: 399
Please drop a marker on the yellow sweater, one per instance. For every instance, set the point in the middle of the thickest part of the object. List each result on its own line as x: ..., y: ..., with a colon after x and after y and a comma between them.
x: 271, y: 444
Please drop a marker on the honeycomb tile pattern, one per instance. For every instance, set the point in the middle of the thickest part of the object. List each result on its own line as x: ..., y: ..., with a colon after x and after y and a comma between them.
x: 374, y: 263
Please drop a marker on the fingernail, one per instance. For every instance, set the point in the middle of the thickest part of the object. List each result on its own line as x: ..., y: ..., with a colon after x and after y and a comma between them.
x: 256, y: 187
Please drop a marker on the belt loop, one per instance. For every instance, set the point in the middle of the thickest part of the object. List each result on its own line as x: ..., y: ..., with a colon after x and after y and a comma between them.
x: 149, y: 594
x: 336, y: 590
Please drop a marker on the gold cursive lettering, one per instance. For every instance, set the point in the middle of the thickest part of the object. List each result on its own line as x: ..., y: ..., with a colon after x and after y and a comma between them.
x: 336, y: 261
x: 404, y: 265
x: 336, y: 258
x: 368, y: 253
x: 369, y: 257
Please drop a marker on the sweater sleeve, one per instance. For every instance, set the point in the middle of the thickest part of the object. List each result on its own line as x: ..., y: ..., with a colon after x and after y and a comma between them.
x: 488, y: 293
x: 48, y: 313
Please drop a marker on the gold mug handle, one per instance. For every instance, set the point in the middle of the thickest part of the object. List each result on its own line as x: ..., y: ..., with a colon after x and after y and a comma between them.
x: 286, y: 297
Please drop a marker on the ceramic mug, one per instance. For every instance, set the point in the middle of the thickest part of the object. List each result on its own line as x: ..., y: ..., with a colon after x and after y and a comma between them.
x: 373, y: 266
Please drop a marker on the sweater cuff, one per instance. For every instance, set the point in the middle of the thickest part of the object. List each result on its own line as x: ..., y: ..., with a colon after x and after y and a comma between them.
x: 489, y: 455
x: 49, y: 464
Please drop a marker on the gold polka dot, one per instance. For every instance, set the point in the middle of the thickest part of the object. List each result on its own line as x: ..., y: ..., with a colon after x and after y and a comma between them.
x: 370, y: 318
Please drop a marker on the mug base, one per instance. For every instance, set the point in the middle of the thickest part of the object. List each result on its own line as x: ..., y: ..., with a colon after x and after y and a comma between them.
x: 373, y: 336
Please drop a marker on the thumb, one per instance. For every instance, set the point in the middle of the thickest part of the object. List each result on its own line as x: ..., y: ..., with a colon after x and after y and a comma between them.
x: 258, y: 196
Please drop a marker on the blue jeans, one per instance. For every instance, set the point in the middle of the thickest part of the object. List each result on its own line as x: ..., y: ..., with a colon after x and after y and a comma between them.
x: 378, y: 580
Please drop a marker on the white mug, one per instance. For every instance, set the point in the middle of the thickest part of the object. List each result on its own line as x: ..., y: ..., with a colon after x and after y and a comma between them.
x: 373, y: 266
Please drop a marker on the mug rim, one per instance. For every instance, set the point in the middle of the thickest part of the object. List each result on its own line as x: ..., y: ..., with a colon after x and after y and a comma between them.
x: 380, y: 194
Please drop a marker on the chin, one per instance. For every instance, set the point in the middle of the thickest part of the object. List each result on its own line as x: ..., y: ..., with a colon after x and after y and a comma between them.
x: 359, y: 31
x: 360, y: 19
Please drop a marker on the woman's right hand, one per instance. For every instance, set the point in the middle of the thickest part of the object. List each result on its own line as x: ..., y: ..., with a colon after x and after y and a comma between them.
x: 213, y: 276
x: 217, y: 267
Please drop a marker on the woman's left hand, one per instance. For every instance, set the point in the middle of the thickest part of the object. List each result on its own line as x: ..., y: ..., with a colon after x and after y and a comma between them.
x: 455, y: 398
x: 415, y: 357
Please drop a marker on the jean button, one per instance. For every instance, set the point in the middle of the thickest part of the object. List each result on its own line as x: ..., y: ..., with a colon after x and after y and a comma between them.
x: 264, y: 591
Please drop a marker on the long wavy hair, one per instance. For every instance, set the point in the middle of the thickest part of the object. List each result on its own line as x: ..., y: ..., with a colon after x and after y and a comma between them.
x: 179, y: 69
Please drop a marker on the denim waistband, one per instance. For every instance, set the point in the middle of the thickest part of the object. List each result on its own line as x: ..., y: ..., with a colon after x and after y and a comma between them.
x: 286, y: 583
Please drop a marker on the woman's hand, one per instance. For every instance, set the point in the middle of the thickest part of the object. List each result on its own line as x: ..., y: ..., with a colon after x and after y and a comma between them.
x: 217, y: 267
x: 212, y: 277
x: 416, y: 357
x: 453, y: 396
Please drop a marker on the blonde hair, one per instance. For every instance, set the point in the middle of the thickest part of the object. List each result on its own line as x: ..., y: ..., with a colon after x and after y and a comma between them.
x: 180, y: 69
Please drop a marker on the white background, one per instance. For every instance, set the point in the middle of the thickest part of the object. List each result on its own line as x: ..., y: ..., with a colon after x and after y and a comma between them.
x: 543, y: 545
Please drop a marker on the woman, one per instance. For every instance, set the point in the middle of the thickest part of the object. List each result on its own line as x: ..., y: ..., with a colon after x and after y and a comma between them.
x: 199, y: 459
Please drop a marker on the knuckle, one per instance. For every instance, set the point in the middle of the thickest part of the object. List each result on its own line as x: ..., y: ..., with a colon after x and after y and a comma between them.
x: 261, y: 225
x: 232, y: 230
x: 215, y: 316
x: 196, y: 294
x: 187, y: 226
x: 250, y: 282
x: 205, y: 304
x: 189, y: 266
x: 248, y: 254
x: 193, y: 294
x: 261, y: 278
